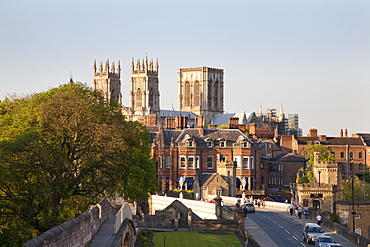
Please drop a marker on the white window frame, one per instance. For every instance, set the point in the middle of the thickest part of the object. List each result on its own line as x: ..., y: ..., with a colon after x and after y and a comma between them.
x: 160, y: 162
x: 238, y: 161
x: 197, y: 162
x: 168, y: 161
x: 192, y: 162
x: 182, y: 164
x: 207, y: 162
x: 245, y: 162
x: 251, y: 162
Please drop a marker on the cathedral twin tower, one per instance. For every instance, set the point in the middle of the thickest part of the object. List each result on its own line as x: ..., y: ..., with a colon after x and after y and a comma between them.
x: 200, y: 90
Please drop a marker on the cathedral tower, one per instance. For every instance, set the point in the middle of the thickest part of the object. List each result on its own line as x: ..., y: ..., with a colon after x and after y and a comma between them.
x: 108, y: 81
x: 201, y: 91
x: 144, y: 93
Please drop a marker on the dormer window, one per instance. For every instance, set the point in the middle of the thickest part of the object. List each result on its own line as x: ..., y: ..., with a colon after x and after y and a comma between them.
x: 209, y: 142
x: 222, y: 144
x: 245, y: 145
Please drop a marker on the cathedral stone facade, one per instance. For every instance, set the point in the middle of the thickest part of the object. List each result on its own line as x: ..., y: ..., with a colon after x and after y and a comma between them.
x: 108, y: 81
x: 201, y: 91
x: 144, y: 93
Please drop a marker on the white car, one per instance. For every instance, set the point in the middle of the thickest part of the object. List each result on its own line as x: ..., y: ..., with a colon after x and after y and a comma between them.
x: 311, y: 232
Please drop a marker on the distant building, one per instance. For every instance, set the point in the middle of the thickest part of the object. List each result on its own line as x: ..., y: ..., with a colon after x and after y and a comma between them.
x: 108, y: 81
x: 201, y: 91
x: 349, y: 151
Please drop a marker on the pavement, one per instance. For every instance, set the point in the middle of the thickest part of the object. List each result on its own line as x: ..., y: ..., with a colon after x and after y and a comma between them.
x: 264, y: 240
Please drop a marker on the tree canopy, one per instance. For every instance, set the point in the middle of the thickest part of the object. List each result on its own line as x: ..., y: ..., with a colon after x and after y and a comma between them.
x: 306, y: 174
x: 63, y: 150
x: 324, y: 153
x: 361, y: 190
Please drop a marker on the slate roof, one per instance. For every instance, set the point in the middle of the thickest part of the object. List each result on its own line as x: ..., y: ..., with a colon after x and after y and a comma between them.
x: 332, y: 140
x: 292, y: 158
x: 229, y: 135
x: 205, y: 177
x: 365, y: 137
x: 174, y: 113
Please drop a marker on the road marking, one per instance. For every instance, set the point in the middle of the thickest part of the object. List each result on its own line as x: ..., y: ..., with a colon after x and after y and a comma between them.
x: 287, y: 232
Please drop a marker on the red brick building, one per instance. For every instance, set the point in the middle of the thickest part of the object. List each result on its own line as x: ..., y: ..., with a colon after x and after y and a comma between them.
x: 182, y: 154
x: 351, y: 152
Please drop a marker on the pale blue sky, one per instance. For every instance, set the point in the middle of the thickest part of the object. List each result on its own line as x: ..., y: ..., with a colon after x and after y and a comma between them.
x: 313, y: 56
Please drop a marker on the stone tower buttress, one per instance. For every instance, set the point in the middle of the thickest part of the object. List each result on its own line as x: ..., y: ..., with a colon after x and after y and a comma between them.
x: 108, y: 81
x: 144, y: 92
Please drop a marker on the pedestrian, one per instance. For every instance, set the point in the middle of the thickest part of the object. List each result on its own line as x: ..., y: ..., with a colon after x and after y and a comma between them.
x: 300, y: 211
x: 291, y: 209
x: 305, y: 212
x: 319, y: 219
x: 245, y: 209
x: 258, y: 202
x: 296, y: 210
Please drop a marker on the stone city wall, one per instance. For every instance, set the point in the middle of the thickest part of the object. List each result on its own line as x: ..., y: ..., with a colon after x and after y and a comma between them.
x: 76, y: 232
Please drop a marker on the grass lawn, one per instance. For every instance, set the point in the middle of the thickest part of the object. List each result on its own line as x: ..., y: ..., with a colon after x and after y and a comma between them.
x: 194, y: 239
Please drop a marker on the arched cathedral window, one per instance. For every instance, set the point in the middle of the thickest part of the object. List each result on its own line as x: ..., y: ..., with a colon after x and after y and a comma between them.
x: 187, y: 94
x: 139, y: 98
x: 196, y: 94
x: 215, y: 95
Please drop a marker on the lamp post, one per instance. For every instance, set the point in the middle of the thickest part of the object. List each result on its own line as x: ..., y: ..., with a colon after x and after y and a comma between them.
x: 353, y: 212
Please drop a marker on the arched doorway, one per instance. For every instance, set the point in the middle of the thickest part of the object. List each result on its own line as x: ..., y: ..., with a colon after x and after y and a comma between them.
x: 316, y: 204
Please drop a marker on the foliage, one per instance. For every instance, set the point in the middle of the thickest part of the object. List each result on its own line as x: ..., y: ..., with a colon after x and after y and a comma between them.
x: 335, y: 217
x: 324, y: 153
x: 361, y: 190
x: 145, y: 238
x: 305, y: 175
x: 63, y: 150
x: 367, y: 177
x: 223, y: 126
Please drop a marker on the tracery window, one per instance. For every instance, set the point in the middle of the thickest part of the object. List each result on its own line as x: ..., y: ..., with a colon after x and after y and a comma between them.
x: 187, y: 94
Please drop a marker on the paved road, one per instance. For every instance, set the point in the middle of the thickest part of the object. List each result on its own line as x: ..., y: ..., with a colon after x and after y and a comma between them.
x: 278, y: 228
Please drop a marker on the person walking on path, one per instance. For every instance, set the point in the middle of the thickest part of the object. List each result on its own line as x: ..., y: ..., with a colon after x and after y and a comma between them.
x: 305, y: 212
x: 319, y: 219
x: 291, y: 209
x: 300, y: 211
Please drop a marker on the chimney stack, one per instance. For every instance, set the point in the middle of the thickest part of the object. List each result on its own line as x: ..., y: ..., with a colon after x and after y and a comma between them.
x: 312, y: 133
x: 345, y: 133
x: 341, y: 133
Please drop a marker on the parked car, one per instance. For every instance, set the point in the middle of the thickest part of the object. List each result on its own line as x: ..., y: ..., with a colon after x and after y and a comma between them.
x: 311, y: 232
x: 249, y: 207
x: 323, y: 241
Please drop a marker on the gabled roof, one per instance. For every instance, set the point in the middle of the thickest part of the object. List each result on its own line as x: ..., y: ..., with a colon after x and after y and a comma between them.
x: 292, y: 158
x: 365, y: 137
x: 229, y: 135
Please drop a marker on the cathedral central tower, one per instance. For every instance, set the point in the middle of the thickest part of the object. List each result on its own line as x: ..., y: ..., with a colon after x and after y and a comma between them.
x: 201, y: 91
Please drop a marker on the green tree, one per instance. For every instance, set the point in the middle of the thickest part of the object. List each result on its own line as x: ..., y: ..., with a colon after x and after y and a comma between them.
x: 361, y: 190
x: 305, y: 175
x: 63, y: 150
x: 324, y: 153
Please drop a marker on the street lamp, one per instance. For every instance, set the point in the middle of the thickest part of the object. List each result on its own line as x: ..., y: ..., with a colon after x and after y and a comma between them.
x: 353, y: 212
